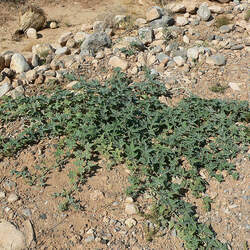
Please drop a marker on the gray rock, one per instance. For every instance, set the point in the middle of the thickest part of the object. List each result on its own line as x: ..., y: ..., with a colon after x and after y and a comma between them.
x: 193, y: 53
x: 161, y: 57
x: 237, y: 47
x: 26, y: 212
x: 146, y: 35
x: 166, y: 20
x: 96, y: 41
x: 62, y: 51
x: 225, y: 29
x: 204, y: 12
x: 4, y: 88
x: 99, y: 26
x: 11, y: 238
x: 19, y: 64
x: 218, y: 59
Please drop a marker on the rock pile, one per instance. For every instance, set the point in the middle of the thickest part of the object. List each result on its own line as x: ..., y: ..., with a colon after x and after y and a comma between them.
x: 176, y: 38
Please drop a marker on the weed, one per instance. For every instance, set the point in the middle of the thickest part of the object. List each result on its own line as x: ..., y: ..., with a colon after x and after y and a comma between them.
x: 124, y: 122
x: 218, y: 88
x: 222, y: 20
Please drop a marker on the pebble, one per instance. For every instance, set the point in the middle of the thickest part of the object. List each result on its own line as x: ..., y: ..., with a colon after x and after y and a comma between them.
x: 131, y: 209
x: 12, y: 197
x: 130, y: 222
x: 2, y: 194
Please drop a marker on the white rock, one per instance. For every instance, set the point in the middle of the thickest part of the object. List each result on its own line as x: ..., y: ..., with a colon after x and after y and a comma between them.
x: 115, y: 61
x: 53, y: 25
x: 186, y: 39
x: 62, y: 51
x: 18, y: 63
x: 11, y: 238
x: 42, y: 50
x: 131, y: 209
x: 234, y: 86
x: 31, y: 33
x: 100, y: 54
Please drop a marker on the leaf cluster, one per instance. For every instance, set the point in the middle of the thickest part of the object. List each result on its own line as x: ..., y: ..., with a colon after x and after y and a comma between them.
x: 124, y: 122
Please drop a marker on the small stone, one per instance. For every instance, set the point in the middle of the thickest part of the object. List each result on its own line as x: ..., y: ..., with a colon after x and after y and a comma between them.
x: 9, y: 185
x: 42, y: 50
x: 129, y: 200
x: 12, y: 197
x: 89, y: 238
x: 225, y: 29
x: 234, y: 86
x: 179, y: 60
x: 130, y: 222
x: 218, y: 59
x: 204, y: 12
x: 31, y: 75
x: 53, y: 25
x: 181, y: 21
x: 64, y: 38
x: 146, y: 35
x: 2, y: 194
x: 186, y: 39
x: 131, y: 209
x: 193, y: 53
x: 100, y: 55
x: 26, y: 212
x: 71, y: 43
x: 62, y: 51
x: 140, y: 22
x: 31, y: 33
x: 115, y: 61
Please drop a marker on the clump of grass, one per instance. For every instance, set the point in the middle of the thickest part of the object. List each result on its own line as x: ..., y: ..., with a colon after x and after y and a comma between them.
x: 222, y: 20
x: 218, y: 88
x: 247, y: 15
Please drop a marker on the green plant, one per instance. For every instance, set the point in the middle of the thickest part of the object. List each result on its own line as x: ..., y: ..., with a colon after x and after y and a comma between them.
x: 125, y: 123
x: 218, y: 88
x: 222, y: 20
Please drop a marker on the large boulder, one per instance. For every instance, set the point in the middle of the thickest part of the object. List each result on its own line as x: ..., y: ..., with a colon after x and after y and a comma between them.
x: 31, y: 17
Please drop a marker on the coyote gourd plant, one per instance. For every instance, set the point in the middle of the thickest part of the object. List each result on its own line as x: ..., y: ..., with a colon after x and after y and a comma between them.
x: 125, y: 123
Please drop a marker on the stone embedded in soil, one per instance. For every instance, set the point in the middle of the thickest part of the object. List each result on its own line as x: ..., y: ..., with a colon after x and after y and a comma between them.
x: 218, y: 59
x: 12, y: 197
x: 11, y: 238
x: 115, y: 61
x: 131, y: 209
x: 130, y: 222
